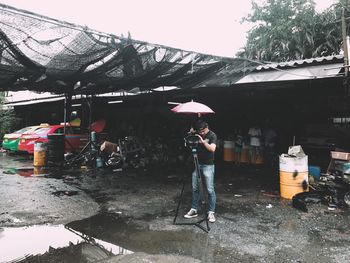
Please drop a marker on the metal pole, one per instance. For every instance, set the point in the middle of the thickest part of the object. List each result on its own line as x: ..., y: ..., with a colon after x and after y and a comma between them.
x: 346, y: 53
x: 67, y: 108
x: 345, y: 46
x: 90, y: 120
x: 65, y: 114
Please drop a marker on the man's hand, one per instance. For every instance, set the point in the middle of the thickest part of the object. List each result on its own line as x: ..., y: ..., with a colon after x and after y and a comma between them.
x: 200, y: 138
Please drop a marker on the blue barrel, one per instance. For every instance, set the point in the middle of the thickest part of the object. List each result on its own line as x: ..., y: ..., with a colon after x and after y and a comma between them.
x: 55, y: 149
x: 315, y: 171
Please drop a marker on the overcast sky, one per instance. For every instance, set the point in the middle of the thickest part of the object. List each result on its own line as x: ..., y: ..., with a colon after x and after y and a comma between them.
x: 206, y: 26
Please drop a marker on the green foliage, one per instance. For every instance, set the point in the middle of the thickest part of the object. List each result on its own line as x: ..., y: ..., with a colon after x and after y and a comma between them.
x: 292, y: 29
x: 8, y: 119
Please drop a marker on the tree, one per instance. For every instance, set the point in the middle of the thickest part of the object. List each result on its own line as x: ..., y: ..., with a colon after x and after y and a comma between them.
x: 292, y: 29
x: 8, y: 119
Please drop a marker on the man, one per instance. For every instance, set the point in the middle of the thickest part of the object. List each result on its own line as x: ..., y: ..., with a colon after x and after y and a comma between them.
x: 254, y: 134
x: 270, y: 140
x: 206, y: 149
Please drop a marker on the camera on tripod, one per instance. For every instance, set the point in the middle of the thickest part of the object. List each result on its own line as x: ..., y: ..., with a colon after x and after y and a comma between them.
x: 192, y: 141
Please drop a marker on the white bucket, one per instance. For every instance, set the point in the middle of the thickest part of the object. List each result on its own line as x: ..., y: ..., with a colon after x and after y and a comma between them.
x: 293, y: 164
x: 39, y: 146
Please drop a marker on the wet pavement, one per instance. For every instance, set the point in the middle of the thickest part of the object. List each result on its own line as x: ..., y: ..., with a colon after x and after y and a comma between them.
x: 30, y: 197
x: 131, y: 212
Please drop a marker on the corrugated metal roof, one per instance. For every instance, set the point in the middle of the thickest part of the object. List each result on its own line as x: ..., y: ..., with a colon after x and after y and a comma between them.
x: 310, y: 71
x: 302, y: 62
x: 30, y: 102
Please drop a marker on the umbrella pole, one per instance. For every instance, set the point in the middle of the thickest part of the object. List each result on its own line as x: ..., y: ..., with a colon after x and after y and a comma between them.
x: 204, y: 196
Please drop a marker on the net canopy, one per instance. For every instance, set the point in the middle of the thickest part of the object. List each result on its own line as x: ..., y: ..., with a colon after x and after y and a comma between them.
x: 46, y: 55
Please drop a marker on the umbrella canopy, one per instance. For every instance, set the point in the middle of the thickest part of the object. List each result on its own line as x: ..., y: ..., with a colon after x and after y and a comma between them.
x: 192, y: 108
x: 98, y: 126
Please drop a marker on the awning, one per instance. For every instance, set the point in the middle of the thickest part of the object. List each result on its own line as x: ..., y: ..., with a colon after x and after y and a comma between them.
x: 30, y: 102
x: 46, y: 55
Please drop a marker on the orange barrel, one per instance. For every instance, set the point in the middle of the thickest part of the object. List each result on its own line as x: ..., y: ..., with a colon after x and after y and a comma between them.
x: 259, y: 159
x: 39, y: 154
x: 245, y: 154
x: 293, y: 175
x: 228, y: 151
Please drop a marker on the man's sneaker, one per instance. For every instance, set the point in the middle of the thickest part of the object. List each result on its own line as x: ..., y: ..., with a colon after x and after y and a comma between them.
x: 191, y: 214
x: 211, y: 217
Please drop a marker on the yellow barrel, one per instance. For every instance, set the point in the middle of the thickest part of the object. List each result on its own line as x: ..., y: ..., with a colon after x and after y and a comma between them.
x: 293, y: 183
x: 293, y: 175
x: 39, y: 154
x: 228, y: 151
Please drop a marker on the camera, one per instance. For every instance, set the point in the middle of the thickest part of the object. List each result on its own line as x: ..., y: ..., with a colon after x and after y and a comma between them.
x: 192, y: 141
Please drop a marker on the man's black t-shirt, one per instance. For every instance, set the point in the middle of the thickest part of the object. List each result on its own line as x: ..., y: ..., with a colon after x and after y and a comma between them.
x: 204, y: 156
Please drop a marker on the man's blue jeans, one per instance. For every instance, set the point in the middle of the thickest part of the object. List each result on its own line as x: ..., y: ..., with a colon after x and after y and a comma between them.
x: 208, y: 172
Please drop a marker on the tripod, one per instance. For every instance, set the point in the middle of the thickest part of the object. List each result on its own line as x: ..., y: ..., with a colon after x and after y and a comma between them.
x: 203, y: 194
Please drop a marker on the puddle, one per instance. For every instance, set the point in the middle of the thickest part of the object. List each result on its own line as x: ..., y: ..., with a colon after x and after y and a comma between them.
x: 19, y: 244
x: 27, y: 171
x: 7, y: 161
x: 138, y: 237
x: 98, y: 235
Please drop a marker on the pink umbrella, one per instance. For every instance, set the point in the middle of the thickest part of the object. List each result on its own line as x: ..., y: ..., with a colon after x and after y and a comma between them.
x: 192, y: 108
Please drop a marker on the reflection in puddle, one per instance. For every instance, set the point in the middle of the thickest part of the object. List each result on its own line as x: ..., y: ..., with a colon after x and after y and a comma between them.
x: 27, y: 171
x: 22, y: 166
x: 32, y: 171
x: 8, y: 161
x: 140, y: 238
x: 19, y: 243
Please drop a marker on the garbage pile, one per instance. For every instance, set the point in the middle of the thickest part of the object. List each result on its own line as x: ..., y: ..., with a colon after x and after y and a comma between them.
x: 332, y: 188
x: 133, y: 152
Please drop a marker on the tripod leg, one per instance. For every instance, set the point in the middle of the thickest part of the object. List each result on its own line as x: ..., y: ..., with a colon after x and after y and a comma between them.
x: 203, y: 191
x: 180, y: 199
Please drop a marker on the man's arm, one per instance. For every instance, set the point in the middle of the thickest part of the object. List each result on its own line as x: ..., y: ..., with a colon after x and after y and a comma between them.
x: 211, y: 147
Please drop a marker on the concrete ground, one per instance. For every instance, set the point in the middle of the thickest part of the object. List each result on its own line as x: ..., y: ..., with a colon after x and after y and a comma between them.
x: 135, y: 209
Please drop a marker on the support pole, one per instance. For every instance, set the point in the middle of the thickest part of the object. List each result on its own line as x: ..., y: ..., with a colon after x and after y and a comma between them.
x: 346, y: 53
x: 67, y: 108
x: 90, y: 119
x: 65, y: 114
